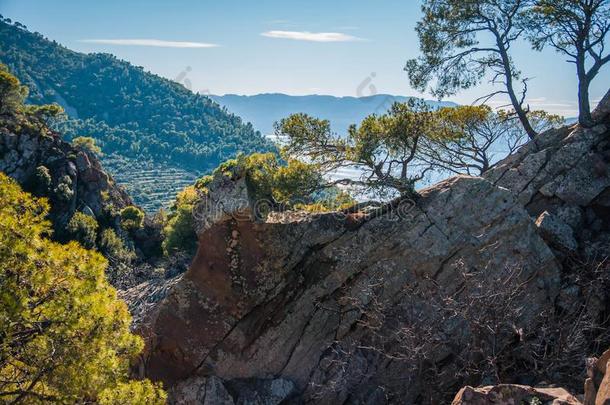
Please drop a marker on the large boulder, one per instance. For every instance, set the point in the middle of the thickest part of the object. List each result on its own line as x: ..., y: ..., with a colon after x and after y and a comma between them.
x: 288, y: 296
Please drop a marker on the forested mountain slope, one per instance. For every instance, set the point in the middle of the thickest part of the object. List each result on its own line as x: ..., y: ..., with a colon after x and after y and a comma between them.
x: 132, y: 113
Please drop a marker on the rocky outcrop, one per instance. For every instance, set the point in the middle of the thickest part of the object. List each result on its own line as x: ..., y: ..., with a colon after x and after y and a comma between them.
x: 562, y: 178
x: 596, y: 390
x: 465, y: 286
x: 214, y: 391
x: 71, y: 179
x: 285, y: 297
x: 514, y: 394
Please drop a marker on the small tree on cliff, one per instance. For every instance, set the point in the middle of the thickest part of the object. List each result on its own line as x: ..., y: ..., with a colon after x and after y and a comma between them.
x: 87, y: 144
x: 462, y: 41
x: 384, y: 147
x: 397, y: 149
x: 577, y: 29
x: 12, y: 93
x: 472, y: 139
x: 64, y: 334
x: 179, y: 230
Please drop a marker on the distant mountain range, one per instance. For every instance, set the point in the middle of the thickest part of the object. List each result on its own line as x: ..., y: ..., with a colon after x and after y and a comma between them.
x: 262, y: 110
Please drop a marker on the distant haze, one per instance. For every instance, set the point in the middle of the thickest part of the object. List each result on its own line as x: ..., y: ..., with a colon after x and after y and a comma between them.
x: 262, y: 110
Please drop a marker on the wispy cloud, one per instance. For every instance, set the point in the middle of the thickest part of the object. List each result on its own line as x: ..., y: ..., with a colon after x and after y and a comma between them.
x: 149, y: 42
x: 311, y: 36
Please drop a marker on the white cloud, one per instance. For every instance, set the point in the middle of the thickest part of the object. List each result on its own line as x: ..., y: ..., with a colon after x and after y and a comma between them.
x: 311, y: 36
x: 149, y: 42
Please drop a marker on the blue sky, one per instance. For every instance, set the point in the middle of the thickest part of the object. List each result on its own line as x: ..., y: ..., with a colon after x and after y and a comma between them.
x: 344, y: 47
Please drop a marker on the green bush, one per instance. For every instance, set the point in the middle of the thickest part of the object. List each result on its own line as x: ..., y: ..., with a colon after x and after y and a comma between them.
x: 43, y: 179
x: 83, y: 229
x: 179, y: 232
x: 64, y: 188
x: 113, y: 247
x: 131, y: 218
x: 87, y: 144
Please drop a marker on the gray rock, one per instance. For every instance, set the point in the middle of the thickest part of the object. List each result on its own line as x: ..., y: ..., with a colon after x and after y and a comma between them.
x: 571, y: 215
x: 201, y: 391
x: 556, y: 232
x: 214, y: 391
x: 88, y: 211
x: 225, y: 200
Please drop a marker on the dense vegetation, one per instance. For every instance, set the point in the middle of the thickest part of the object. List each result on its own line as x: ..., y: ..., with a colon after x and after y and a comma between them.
x: 64, y: 335
x: 128, y: 111
x: 273, y: 184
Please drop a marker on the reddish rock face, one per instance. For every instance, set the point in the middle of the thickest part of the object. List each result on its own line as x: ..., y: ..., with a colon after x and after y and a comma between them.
x: 237, y: 267
x: 186, y: 332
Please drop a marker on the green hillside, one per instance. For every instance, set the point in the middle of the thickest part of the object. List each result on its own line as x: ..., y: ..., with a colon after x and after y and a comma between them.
x: 132, y: 113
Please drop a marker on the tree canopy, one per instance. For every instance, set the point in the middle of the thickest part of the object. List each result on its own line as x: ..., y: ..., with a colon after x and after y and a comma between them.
x: 462, y: 41
x: 578, y: 30
x: 471, y: 139
x: 385, y: 147
x: 64, y: 334
x: 397, y: 149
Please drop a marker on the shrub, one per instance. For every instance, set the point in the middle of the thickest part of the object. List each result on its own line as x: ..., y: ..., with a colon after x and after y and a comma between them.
x: 87, y: 144
x: 113, y: 247
x: 83, y: 228
x: 43, y: 179
x: 131, y: 218
x: 64, y: 189
x: 180, y: 229
x: 64, y: 334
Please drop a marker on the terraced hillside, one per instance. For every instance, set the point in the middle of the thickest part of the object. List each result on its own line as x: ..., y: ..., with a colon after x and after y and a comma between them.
x: 152, y: 185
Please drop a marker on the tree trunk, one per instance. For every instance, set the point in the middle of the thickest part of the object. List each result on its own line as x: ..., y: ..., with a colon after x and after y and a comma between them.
x: 521, y: 114
x: 584, y: 109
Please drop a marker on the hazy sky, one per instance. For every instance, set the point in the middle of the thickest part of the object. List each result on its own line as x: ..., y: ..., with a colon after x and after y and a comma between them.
x: 345, y: 47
